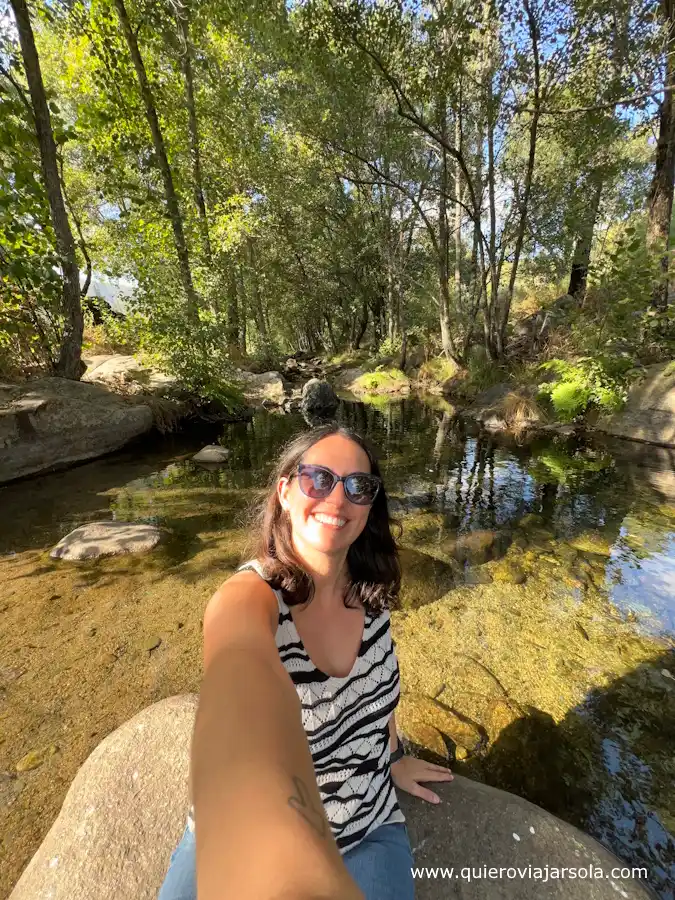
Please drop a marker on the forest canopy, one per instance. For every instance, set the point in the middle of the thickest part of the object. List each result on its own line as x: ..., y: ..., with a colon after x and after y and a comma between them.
x: 328, y: 175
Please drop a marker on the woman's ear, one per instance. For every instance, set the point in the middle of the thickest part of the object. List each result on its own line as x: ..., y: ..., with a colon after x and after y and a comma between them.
x: 283, y: 486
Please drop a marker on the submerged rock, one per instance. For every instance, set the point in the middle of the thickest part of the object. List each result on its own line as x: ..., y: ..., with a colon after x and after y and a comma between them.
x: 509, y: 572
x: 10, y: 788
x: 106, y: 539
x: 425, y: 578
x: 416, y: 710
x: 212, y: 453
x: 35, y: 758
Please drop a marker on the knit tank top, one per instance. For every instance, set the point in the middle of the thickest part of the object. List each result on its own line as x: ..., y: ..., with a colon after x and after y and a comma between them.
x: 346, y: 721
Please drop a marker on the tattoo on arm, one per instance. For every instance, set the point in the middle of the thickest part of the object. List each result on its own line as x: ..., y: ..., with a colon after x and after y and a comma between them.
x: 301, y: 802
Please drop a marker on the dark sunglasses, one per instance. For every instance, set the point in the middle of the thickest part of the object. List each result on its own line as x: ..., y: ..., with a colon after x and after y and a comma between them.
x: 317, y: 482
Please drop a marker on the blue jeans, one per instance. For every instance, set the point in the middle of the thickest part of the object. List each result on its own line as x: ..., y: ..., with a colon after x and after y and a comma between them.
x: 380, y: 865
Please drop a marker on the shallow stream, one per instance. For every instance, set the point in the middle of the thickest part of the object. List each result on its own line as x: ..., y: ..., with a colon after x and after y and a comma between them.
x: 535, y: 631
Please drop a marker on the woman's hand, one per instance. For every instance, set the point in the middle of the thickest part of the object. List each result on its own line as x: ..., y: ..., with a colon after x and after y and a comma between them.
x: 409, y: 771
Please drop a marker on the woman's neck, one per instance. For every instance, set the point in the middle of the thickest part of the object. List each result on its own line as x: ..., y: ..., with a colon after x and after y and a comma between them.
x: 329, y: 572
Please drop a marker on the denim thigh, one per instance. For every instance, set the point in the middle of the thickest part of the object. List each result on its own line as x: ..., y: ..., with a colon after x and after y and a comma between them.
x: 381, y: 864
x: 180, y: 882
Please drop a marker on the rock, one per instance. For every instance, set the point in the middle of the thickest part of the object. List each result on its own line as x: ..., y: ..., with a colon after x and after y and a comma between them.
x: 532, y: 520
x: 106, y: 539
x: 212, y: 453
x: 35, y: 758
x: 508, y: 572
x: 416, y: 709
x: 292, y: 365
x: 477, y: 576
x: 52, y: 422
x: 488, y: 405
x: 475, y: 547
x: 125, y: 812
x: 10, y: 788
x: 425, y: 578
x: 346, y: 380
x: 319, y: 398
x: 649, y: 414
x: 130, y: 375
x: 266, y: 386
x: 499, y: 715
x: 591, y: 542
x: 150, y: 644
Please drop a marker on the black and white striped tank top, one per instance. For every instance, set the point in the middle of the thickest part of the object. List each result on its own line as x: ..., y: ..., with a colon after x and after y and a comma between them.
x: 346, y: 721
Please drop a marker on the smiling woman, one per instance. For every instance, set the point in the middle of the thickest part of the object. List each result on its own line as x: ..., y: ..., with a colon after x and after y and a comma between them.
x: 295, y: 756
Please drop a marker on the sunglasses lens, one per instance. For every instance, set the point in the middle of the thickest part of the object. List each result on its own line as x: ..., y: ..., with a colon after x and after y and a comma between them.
x: 316, y: 483
x: 361, y: 489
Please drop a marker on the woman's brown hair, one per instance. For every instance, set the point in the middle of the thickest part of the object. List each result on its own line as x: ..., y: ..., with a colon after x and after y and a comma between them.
x: 372, y: 560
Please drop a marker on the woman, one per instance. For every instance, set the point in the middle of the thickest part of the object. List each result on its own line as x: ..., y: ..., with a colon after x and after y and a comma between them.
x: 295, y: 753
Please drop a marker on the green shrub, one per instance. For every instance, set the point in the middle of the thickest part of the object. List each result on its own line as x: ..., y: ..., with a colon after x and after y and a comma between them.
x: 438, y: 369
x: 585, y: 383
x: 390, y: 348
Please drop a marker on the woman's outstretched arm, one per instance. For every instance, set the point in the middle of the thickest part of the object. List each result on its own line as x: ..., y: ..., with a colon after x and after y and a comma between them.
x: 261, y: 830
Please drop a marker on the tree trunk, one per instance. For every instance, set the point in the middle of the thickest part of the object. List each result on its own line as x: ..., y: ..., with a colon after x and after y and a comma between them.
x: 362, y: 326
x: 197, y: 181
x: 69, y: 363
x: 243, y: 312
x: 232, y: 312
x: 533, y: 26
x: 458, y: 211
x: 661, y: 192
x: 258, y: 311
x: 162, y: 161
x: 443, y: 244
x: 584, y: 242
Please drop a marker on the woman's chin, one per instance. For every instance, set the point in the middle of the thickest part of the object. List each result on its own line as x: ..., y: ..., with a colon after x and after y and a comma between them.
x: 326, y: 539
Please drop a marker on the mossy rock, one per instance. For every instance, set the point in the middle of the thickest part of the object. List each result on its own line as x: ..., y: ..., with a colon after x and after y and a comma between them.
x: 425, y: 579
x: 592, y: 542
x: 381, y: 381
x: 508, y: 572
x: 423, y: 526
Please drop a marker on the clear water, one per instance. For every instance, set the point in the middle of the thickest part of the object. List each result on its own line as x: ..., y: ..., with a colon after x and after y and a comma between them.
x: 564, y: 533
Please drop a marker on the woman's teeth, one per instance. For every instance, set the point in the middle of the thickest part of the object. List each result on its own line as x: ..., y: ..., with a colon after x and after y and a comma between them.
x: 329, y: 520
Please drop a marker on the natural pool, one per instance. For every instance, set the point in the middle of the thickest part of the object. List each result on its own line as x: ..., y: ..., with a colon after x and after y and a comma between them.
x: 535, y: 634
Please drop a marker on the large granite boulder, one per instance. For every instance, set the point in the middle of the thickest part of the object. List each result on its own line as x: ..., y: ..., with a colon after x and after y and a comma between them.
x: 52, y: 422
x: 266, y: 386
x: 319, y: 399
x: 126, y: 809
x: 649, y: 414
x: 128, y: 375
x: 345, y: 380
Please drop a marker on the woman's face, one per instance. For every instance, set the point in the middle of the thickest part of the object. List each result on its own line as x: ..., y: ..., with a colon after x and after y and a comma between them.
x: 330, y: 525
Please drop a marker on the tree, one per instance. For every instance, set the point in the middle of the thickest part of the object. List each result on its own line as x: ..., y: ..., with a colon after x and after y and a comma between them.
x: 69, y: 363
x: 660, y: 201
x: 173, y: 209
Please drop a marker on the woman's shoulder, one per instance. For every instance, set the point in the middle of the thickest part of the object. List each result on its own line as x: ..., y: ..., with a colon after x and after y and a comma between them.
x: 244, y: 589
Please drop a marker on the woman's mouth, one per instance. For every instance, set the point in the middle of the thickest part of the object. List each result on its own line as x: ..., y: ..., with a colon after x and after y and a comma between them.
x: 330, y: 521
